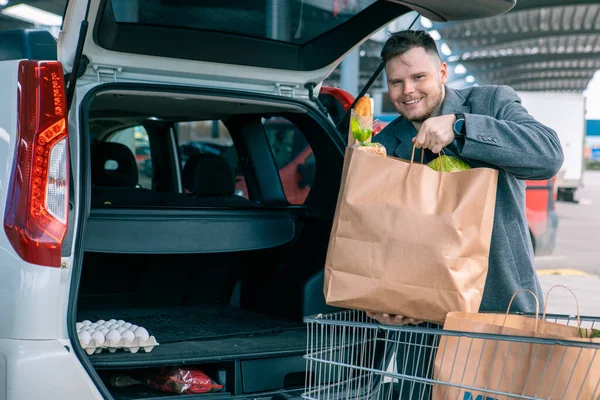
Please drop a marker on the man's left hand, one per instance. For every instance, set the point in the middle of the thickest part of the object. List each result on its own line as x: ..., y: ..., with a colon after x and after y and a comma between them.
x: 389, y: 319
x: 435, y: 133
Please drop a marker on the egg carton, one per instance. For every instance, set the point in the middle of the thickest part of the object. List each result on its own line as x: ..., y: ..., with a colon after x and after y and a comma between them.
x: 113, y: 335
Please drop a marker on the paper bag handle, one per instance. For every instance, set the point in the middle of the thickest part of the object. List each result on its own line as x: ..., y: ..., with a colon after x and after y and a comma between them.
x: 412, y: 157
x: 576, y: 302
x: 537, y: 307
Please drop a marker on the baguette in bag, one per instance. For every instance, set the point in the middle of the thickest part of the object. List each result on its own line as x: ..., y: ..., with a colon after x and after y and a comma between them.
x: 361, y: 128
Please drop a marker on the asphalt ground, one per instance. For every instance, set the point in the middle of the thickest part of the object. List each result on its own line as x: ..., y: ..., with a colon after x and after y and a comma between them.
x: 575, y: 261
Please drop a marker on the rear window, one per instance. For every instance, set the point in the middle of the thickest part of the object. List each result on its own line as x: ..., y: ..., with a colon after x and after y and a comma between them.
x: 291, y: 21
x: 294, y: 158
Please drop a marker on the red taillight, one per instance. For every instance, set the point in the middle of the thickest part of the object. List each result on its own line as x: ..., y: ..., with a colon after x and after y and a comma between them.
x: 37, y: 207
x: 344, y: 98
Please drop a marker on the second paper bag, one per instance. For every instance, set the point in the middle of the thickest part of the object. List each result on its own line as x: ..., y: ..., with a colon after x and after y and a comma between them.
x: 409, y: 240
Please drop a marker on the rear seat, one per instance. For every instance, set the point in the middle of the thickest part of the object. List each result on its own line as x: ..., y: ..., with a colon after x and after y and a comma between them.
x: 208, y: 175
x: 207, y: 179
x: 117, y: 186
x: 211, y: 181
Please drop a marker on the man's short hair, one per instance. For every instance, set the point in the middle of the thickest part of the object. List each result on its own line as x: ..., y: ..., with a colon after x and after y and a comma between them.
x: 403, y: 41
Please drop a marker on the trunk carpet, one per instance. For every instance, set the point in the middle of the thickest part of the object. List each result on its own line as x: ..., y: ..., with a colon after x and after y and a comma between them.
x: 177, y: 324
x: 290, y: 342
x: 199, y: 335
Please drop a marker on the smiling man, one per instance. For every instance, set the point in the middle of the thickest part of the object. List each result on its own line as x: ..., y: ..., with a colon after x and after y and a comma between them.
x: 485, y: 126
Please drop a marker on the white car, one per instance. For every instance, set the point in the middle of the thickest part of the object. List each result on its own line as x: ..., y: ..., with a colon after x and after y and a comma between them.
x: 211, y: 259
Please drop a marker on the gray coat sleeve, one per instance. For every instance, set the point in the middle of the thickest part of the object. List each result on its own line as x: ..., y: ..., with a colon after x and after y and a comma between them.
x: 511, y: 139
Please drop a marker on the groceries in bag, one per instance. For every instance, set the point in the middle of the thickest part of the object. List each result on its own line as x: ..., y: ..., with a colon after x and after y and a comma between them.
x: 361, y: 128
x: 449, y: 164
x: 528, y: 368
x: 408, y: 240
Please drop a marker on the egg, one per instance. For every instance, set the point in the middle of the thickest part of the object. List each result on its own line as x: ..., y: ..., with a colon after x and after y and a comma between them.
x: 104, y: 331
x: 120, y: 322
x: 113, y: 336
x: 132, y: 328
x: 112, y: 321
x: 99, y: 337
x: 87, y: 322
x: 142, y: 333
x: 127, y: 325
x: 94, y: 325
x: 128, y: 336
x: 120, y: 329
x: 84, y: 337
x: 113, y: 326
x: 100, y: 321
x: 78, y: 326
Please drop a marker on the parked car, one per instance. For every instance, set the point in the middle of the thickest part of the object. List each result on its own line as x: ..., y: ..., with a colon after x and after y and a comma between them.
x: 221, y: 281
x: 142, y: 152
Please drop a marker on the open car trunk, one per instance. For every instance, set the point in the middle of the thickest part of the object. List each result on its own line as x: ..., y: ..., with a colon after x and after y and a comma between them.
x: 221, y: 281
x: 206, y: 310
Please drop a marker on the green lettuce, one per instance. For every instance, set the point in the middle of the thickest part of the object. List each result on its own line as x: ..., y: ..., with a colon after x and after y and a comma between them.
x: 360, y: 134
x: 449, y: 164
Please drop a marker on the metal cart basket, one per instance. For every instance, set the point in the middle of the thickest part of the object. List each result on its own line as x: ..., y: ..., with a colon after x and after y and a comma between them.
x: 350, y: 356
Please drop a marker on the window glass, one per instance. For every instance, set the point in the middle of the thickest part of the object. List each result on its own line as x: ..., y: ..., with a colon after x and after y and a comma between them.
x: 210, y: 137
x: 293, y: 156
x: 290, y: 21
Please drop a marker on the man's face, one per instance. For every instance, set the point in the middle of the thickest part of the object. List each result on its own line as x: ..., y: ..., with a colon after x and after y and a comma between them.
x: 415, y: 83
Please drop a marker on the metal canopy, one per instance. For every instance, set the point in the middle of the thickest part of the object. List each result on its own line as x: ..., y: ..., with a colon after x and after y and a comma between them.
x: 539, y: 45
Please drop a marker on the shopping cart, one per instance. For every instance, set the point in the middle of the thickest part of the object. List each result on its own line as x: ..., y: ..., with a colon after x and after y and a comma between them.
x: 350, y: 356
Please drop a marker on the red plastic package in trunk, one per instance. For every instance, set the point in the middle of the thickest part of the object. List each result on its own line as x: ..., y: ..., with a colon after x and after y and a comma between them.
x: 183, y: 381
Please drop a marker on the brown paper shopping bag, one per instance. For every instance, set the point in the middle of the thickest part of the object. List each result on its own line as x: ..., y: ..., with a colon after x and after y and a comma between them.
x: 409, y: 240
x: 491, y: 369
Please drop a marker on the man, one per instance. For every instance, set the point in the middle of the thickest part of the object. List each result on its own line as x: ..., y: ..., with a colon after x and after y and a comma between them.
x: 485, y: 126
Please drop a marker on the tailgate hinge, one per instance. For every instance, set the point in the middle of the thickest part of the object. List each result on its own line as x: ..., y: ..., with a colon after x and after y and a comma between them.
x: 107, y: 72
x: 286, y: 89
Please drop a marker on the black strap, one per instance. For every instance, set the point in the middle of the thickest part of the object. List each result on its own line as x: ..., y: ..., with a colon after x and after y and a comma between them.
x: 344, y: 121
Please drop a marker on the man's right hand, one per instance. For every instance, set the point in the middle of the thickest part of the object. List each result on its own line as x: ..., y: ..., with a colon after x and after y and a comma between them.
x: 390, y: 319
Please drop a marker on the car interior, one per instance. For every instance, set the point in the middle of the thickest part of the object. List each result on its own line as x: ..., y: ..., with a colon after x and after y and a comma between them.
x: 222, y: 277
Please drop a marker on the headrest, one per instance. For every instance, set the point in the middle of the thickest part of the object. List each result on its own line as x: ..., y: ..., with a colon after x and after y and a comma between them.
x: 208, y: 175
x: 113, y: 164
x: 31, y: 44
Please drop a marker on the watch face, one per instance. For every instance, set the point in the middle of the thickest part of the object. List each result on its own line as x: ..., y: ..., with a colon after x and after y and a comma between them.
x: 458, y: 126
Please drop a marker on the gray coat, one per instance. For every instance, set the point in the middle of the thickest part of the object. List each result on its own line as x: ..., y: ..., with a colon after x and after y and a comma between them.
x: 499, y: 134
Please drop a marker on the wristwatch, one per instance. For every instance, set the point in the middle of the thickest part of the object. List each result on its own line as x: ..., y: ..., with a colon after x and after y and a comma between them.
x: 459, y: 126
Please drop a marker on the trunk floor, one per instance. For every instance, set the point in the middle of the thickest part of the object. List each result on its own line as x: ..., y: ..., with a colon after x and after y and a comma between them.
x: 199, y: 335
x: 177, y: 324
x: 290, y: 342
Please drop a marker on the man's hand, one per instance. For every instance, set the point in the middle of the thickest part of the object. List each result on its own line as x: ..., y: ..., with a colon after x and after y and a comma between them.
x: 388, y: 319
x: 435, y: 133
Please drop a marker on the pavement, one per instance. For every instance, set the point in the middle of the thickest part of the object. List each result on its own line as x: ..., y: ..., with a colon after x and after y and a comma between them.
x: 575, y: 261
x: 585, y: 286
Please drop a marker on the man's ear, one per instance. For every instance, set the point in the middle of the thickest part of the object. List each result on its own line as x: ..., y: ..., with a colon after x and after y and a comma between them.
x: 444, y: 72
